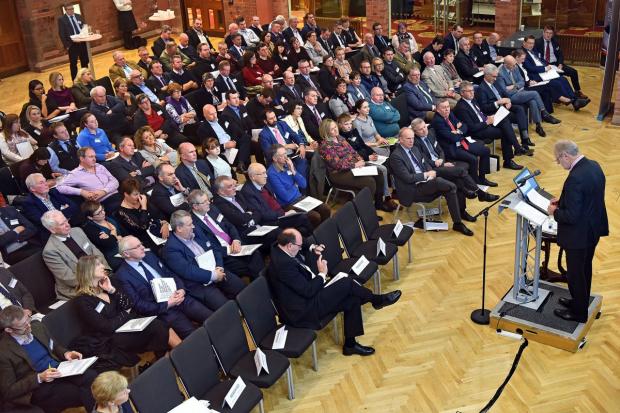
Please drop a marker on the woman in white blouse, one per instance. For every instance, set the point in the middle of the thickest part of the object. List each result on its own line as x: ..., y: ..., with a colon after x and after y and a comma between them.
x: 403, y: 36
x: 13, y: 135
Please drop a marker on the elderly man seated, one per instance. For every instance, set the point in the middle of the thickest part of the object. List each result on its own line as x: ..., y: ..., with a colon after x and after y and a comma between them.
x: 64, y: 248
x: 438, y: 80
x: 110, y: 113
x: 122, y: 68
x: 92, y: 181
x: 136, y: 274
x: 420, y: 100
x: 193, y: 173
x: 42, y: 199
x: 137, y: 85
x: 199, y: 262
x: 131, y: 163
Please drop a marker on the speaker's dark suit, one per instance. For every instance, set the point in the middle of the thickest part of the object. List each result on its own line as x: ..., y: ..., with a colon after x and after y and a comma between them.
x: 582, y: 220
x: 302, y: 300
x: 139, y: 290
x: 75, y: 49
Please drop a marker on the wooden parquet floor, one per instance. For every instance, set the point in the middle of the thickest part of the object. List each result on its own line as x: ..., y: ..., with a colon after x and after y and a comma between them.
x: 430, y: 356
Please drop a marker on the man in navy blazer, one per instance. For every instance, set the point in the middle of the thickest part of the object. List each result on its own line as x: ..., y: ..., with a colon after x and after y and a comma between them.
x: 451, y: 41
x: 41, y: 198
x: 420, y: 99
x: 70, y: 24
x: 225, y: 81
x: 582, y: 219
x: 18, y: 236
x: 280, y: 133
x: 466, y: 63
x: 213, y: 287
x: 211, y: 223
x: 193, y: 173
x: 135, y: 274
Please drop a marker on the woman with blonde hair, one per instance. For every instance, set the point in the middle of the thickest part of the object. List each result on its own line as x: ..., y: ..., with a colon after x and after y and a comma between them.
x: 36, y: 127
x: 82, y: 85
x: 60, y: 93
x: 13, y: 135
x: 155, y: 151
x: 111, y: 393
x: 102, y: 309
x: 341, y: 64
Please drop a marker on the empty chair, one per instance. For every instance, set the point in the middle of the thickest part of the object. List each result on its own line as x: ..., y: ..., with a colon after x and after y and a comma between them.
x: 400, y: 104
x: 260, y: 316
x: 231, y: 348
x: 370, y: 224
x: 38, y: 279
x: 197, y: 367
x: 64, y: 323
x: 335, y: 190
x: 156, y: 390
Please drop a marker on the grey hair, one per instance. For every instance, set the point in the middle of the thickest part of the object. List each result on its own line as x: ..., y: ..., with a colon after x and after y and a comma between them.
x: 466, y: 83
x: 490, y: 69
x: 194, y: 195
x: 416, y: 122
x: 123, y: 244
x: 125, y: 139
x: 30, y: 179
x: 176, y: 219
x: 219, y: 182
x: 10, y: 314
x: 49, y: 219
x: 463, y: 40
x: 94, y: 90
x: 567, y: 147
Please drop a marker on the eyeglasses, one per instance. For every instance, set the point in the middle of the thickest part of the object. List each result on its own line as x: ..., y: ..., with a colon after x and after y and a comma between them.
x: 136, y: 247
x: 99, y: 212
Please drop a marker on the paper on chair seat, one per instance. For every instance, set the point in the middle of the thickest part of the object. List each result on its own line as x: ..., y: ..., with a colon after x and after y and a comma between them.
x: 279, y: 341
x: 359, y: 265
x: 193, y: 405
x: 307, y: 204
x: 365, y: 171
x: 75, y: 367
x: 234, y: 393
x: 501, y: 113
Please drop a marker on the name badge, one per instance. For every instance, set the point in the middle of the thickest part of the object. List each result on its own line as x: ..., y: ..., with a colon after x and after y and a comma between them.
x: 65, y: 206
x: 13, y: 282
x: 284, y: 58
x: 234, y: 80
x: 289, y: 173
x: 14, y: 222
x: 86, y: 245
x: 159, y: 112
x: 97, y: 140
x: 37, y: 132
x: 226, y: 124
x: 99, y: 307
x: 322, y: 114
x: 354, y: 138
x: 51, y: 345
x: 220, y: 217
x: 286, y: 135
x: 245, y: 115
x: 398, y: 70
x: 485, y: 52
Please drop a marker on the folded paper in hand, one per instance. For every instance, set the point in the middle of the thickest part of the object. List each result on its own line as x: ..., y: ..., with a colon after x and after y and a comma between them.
x: 206, y: 261
x: 75, y: 367
x: 245, y: 250
x: 335, y: 278
x: 501, y: 113
x: 177, y: 199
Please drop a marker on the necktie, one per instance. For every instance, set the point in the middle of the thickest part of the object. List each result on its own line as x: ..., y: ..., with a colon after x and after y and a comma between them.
x: 161, y: 80
x: 415, y: 161
x: 316, y: 115
x: 495, y: 92
x: 430, y: 148
x: 271, y: 201
x: 478, y: 111
x: 203, y: 181
x: 147, y: 273
x: 547, y: 52
x: 278, y: 136
x: 512, y: 78
x: 218, y: 232
x: 235, y: 203
x: 5, y: 292
x: 230, y: 84
x: 428, y: 97
x: 464, y: 142
x: 295, y: 92
x: 74, y: 25
x: 74, y: 248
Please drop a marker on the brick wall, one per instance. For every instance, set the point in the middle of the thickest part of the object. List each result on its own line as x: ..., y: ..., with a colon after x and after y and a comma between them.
x: 506, y: 17
x: 38, y: 20
x: 376, y: 12
x: 243, y: 8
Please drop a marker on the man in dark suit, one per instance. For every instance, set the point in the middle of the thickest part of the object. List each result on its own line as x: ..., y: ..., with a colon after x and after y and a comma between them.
x: 225, y: 81
x: 450, y: 133
x: 159, y: 45
x: 18, y: 236
x: 42, y: 199
x: 29, y: 377
x: 481, y: 126
x: 414, y: 178
x: 324, y: 38
x: 310, y: 25
x: 391, y: 72
x: 229, y: 228
x: 237, y: 49
x: 436, y: 47
x: 313, y: 113
x: 204, y: 62
x: 135, y: 274
x: 381, y: 41
x: 70, y: 24
x: 159, y: 81
x: 303, y: 300
x: 197, y: 36
x: 466, y: 62
x: 489, y: 45
x: 582, y: 220
x: 420, y: 100
x: 168, y: 193
x: 193, y: 173
x: 482, y: 55
x: 305, y: 80
x: 110, y: 114
x: 131, y: 163
x: 289, y: 91
x: 548, y: 47
x: 13, y: 292
x: 451, y: 41
x: 213, y: 286
x: 186, y: 48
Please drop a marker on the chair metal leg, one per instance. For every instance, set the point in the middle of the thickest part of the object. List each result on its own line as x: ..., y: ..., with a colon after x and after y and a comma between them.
x: 396, y: 213
x: 329, y: 193
x: 423, y: 217
x: 315, y: 359
x: 261, y: 407
x: 409, y: 249
x: 289, y: 380
x: 395, y: 269
x: 377, y: 282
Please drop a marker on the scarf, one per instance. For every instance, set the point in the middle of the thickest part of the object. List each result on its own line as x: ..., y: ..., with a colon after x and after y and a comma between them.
x: 178, y: 105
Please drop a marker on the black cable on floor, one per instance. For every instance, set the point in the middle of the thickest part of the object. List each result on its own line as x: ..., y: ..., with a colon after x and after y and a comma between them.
x: 507, y: 379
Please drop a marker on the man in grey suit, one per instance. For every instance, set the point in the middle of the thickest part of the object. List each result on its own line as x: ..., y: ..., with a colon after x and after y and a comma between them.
x: 64, y: 248
x: 438, y: 81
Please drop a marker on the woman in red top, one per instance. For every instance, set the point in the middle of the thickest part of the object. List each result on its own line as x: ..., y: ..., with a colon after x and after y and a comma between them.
x: 252, y: 73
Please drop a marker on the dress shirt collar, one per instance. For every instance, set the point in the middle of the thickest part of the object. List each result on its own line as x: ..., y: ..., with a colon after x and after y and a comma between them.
x: 257, y: 186
x: 62, y: 238
x: 577, y: 159
x: 23, y: 340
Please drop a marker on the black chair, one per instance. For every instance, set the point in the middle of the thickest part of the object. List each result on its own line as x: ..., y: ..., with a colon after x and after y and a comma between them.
x: 197, y: 367
x: 420, y: 201
x: 8, y: 183
x: 400, y: 104
x: 236, y: 359
x: 370, y: 224
x: 351, y: 233
x: 259, y: 314
x: 38, y: 279
x: 64, y: 323
x: 355, y: 60
x: 156, y: 390
x: 106, y: 82
x: 327, y: 234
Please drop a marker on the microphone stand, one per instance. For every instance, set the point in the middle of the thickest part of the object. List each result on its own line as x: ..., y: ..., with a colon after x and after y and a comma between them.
x: 481, y: 315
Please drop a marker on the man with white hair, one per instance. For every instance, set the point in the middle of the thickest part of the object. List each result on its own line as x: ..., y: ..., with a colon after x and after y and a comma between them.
x: 137, y: 273
x: 369, y: 50
x: 42, y: 199
x: 122, y: 67
x: 62, y: 251
x: 438, y: 80
x: 110, y: 113
x: 465, y: 62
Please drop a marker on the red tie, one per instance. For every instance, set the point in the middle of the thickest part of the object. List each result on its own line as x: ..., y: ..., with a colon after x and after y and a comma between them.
x: 271, y: 201
x: 548, y: 52
x: 464, y: 143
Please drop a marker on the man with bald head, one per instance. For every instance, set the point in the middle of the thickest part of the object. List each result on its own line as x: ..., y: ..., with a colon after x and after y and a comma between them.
x: 186, y: 48
x: 122, y: 67
x: 298, y: 278
x: 482, y: 56
x: 289, y: 91
x: 438, y: 80
x: 489, y: 45
x: 193, y: 173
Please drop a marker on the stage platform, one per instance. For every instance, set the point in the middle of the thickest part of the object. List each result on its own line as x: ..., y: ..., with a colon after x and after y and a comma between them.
x: 538, y: 323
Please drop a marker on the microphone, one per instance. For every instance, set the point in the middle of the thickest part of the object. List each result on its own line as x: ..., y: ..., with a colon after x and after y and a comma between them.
x: 521, y: 181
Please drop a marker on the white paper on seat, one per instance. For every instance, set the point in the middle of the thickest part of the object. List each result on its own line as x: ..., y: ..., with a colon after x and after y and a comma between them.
x: 193, y: 405
x: 231, y: 154
x: 260, y: 360
x: 537, y: 199
x: 380, y: 160
x: 307, y: 204
x: 163, y: 288
x: 234, y: 393
x: 501, y: 113
x: 479, y: 74
x: 75, y: 367
x: 25, y: 149
x: 365, y: 171
x: 247, y: 249
x: 262, y: 230
x: 380, y: 247
x: 550, y: 75
x: 206, y: 260
x: 136, y: 325
x: 177, y: 199
x: 335, y: 278
x: 359, y: 266
x: 398, y: 227
x: 279, y: 341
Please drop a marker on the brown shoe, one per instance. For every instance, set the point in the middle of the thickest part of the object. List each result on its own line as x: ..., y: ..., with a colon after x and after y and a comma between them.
x: 580, y: 95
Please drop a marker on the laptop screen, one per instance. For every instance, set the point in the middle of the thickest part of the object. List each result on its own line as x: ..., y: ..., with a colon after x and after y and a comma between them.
x: 529, y: 184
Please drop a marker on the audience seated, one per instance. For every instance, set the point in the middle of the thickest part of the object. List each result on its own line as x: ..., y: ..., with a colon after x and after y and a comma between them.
x: 103, y: 231
x: 356, y: 90
x: 82, y: 85
x: 437, y: 48
x: 37, y: 162
x: 366, y: 129
x: 38, y: 98
x: 183, y: 77
x: 448, y: 66
x: 158, y: 81
x: 482, y: 56
x: 340, y: 102
x: 296, y: 123
x: 35, y: 127
x: 369, y: 50
x: 314, y: 49
x: 439, y: 81
x: 144, y: 60
x: 205, y: 63
x: 122, y: 68
x: 42, y: 199
x: 216, y: 160
x: 289, y: 90
x: 159, y: 45
x: 420, y: 100
x: 381, y: 41
x: 404, y: 58
x: 451, y: 41
x: 193, y: 173
x: 259, y: 104
x: 157, y: 118
x: 466, y: 63
x: 178, y: 108
x: 277, y: 132
x: 171, y: 51
x: 384, y: 116
x: 14, y: 292
x: 165, y: 197
x: 328, y: 75
x: 111, y: 393
x: 227, y: 82
x: 63, y: 249
x: 313, y: 113
x: 29, y: 378
x: 377, y: 72
x: 61, y: 94
x: 305, y: 81
x: 154, y: 150
x: 236, y: 46
x: 214, y: 286
x: 137, y: 85
x: 11, y: 136
x: 63, y: 150
x: 131, y: 163
x: 197, y: 35
x: 129, y: 100
x: 18, y: 236
x: 94, y: 137
x: 292, y: 31
x: 250, y: 37
x: 297, y: 53
x: 110, y: 113
x: 186, y: 48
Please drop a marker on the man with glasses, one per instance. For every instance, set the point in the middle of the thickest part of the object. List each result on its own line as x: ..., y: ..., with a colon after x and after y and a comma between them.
x: 145, y: 60
x: 313, y: 113
x: 420, y: 100
x: 193, y: 173
x: 137, y: 85
x: 305, y: 80
x: 466, y: 63
x: 438, y: 80
x: 122, y: 68
x: 30, y: 360
x: 136, y: 275
x: 298, y: 280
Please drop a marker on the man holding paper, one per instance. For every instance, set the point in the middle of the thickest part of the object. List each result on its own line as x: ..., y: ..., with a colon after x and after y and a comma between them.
x: 142, y: 275
x: 29, y: 377
x: 168, y: 194
x: 303, y: 299
x: 199, y: 263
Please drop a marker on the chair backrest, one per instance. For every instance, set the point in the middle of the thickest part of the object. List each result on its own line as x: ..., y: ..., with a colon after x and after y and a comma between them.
x: 8, y: 183
x: 106, y: 82
x: 17, y: 176
x: 38, y: 279
x: 400, y: 104
x: 257, y: 308
x: 349, y: 227
x: 366, y: 211
x: 156, y: 389
x: 191, y: 99
x: 64, y: 323
x: 226, y: 334
x: 196, y: 364
x: 355, y: 60
x: 327, y: 234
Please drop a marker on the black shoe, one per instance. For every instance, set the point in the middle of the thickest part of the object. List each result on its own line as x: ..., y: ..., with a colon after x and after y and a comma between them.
x: 486, y: 197
x: 484, y: 181
x: 388, y: 299
x: 540, y: 131
x: 358, y: 349
x: 524, y: 150
x: 579, y: 103
x: 565, y: 302
x: 567, y: 315
x: 512, y: 165
x: 527, y: 143
x: 460, y: 227
x: 550, y: 119
x: 469, y: 194
x: 466, y: 217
